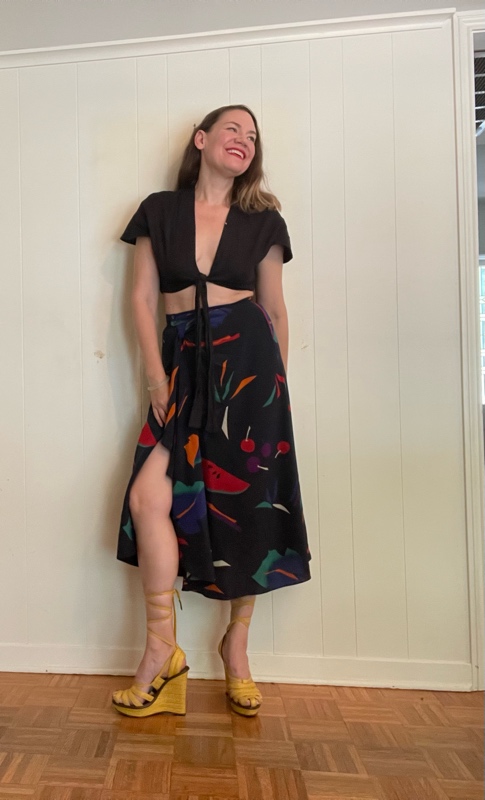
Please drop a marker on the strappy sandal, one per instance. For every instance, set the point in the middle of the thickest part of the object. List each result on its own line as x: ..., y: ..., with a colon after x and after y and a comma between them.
x: 239, y: 689
x: 166, y: 693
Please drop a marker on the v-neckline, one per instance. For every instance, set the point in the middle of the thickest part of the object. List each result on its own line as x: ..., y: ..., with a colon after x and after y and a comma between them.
x: 194, y: 237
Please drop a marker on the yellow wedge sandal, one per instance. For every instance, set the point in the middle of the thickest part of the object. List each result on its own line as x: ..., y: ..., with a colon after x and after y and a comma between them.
x: 239, y: 689
x: 166, y: 693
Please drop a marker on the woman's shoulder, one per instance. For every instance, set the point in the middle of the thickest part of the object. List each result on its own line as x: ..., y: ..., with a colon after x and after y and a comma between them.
x: 266, y: 219
x: 268, y: 227
x: 163, y: 205
x: 165, y: 197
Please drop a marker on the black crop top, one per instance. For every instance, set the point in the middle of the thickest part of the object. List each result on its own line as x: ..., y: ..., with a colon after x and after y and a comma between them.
x: 168, y: 218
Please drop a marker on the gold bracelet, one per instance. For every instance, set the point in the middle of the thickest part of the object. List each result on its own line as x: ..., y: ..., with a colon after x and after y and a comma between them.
x: 157, y: 385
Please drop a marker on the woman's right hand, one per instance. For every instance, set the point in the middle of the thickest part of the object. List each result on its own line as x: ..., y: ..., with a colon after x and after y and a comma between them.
x: 159, y: 400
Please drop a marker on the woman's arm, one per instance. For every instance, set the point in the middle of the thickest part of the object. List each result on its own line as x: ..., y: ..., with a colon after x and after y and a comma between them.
x: 269, y: 292
x: 144, y: 304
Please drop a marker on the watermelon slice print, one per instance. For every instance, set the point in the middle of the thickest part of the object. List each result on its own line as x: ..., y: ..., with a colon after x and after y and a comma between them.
x: 146, y: 438
x: 217, y: 479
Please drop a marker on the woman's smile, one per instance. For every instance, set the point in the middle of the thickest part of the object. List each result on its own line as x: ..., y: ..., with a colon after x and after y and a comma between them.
x: 236, y: 151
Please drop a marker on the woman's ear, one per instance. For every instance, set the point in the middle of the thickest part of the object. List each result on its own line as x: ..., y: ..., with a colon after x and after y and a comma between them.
x: 199, y: 139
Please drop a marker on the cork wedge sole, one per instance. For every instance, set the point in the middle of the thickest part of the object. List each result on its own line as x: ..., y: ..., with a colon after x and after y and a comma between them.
x: 170, y: 698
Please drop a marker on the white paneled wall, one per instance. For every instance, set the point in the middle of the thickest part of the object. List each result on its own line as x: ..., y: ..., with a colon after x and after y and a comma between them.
x: 52, y: 344
x: 12, y: 415
x: 358, y: 133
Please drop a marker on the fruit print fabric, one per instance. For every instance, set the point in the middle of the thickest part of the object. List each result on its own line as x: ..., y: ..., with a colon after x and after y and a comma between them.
x: 237, y: 507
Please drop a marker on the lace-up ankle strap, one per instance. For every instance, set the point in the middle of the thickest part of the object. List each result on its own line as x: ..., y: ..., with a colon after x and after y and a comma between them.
x: 237, y: 603
x: 169, y: 611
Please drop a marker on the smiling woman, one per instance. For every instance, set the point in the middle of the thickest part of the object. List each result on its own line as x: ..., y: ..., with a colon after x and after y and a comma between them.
x: 214, y: 495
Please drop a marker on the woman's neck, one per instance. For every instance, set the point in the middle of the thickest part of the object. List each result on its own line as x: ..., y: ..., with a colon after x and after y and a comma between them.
x: 215, y: 190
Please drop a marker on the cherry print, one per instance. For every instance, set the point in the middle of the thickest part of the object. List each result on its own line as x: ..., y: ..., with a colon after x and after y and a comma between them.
x: 248, y: 445
x: 282, y: 447
x: 253, y: 464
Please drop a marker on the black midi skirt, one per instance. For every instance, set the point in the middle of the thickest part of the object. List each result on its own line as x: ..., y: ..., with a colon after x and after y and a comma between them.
x: 237, y: 508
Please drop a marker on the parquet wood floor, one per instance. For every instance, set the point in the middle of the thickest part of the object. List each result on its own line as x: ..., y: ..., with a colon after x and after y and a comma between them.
x: 60, y: 739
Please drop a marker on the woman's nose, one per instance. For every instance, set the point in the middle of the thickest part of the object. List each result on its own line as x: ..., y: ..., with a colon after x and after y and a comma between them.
x: 240, y: 139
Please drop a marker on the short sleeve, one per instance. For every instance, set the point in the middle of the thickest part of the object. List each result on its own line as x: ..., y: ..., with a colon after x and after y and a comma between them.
x: 137, y: 226
x: 277, y: 233
x: 282, y: 237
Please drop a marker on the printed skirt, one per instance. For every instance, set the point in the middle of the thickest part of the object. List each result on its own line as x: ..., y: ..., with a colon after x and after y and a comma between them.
x: 237, y: 508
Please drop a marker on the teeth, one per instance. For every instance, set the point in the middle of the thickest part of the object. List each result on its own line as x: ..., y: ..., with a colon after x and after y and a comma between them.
x: 236, y: 152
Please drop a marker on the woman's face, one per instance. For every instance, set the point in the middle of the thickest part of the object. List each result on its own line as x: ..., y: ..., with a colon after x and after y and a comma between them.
x: 229, y: 146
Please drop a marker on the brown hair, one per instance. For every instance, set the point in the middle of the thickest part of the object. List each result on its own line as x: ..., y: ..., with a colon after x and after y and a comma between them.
x: 247, y: 191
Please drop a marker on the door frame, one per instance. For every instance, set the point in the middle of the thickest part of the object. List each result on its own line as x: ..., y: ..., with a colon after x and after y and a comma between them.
x: 465, y: 24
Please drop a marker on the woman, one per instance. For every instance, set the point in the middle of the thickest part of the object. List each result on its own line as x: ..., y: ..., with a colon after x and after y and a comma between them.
x: 214, y: 496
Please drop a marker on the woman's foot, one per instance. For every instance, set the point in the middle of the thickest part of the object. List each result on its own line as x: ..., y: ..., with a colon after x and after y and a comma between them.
x: 154, y: 657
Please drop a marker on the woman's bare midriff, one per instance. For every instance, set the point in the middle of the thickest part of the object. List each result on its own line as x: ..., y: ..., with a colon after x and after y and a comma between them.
x: 184, y: 300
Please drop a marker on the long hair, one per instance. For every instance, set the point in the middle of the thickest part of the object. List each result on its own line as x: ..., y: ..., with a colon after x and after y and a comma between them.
x: 247, y: 191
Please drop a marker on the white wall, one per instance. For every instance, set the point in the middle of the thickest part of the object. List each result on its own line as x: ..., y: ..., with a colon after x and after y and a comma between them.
x: 369, y: 194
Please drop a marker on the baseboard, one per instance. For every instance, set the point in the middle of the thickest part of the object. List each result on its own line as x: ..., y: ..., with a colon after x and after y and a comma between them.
x: 265, y: 667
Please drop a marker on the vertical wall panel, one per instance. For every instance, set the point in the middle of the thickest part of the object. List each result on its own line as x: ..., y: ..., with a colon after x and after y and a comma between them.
x: 331, y: 352
x: 245, y: 78
x: 429, y: 346
x: 373, y: 363
x: 152, y: 125
x: 13, y: 626
x: 52, y: 360
x: 108, y: 164
x: 286, y: 122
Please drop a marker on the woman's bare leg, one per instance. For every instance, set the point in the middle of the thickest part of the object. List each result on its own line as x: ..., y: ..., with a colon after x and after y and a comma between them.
x: 235, y: 646
x: 158, y: 554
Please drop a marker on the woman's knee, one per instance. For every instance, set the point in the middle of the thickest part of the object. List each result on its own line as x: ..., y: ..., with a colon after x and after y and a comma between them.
x: 151, y: 492
x: 149, y: 503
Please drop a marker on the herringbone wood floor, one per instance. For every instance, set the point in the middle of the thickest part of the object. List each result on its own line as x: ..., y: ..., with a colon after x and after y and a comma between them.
x: 60, y: 739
